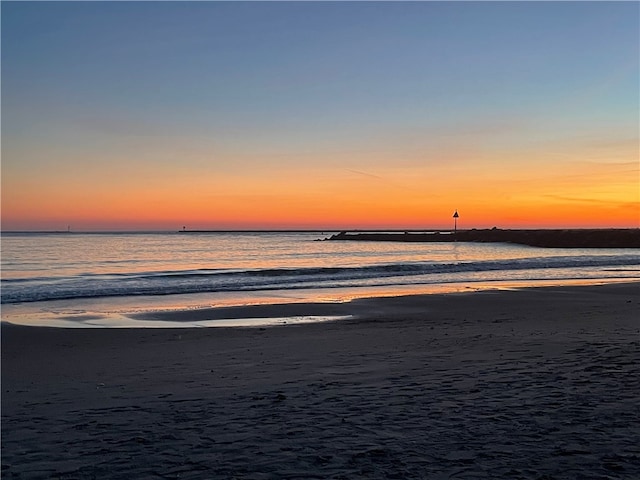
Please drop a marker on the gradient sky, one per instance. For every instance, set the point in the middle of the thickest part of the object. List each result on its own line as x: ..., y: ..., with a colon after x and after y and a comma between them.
x: 155, y: 115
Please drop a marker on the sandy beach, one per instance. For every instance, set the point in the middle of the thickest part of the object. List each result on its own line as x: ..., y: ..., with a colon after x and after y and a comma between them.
x: 540, y: 383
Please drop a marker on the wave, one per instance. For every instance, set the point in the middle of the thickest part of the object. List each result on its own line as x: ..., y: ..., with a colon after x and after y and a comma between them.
x: 90, y: 285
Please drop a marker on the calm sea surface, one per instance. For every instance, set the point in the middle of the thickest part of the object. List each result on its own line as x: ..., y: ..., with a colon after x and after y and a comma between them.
x: 97, y: 279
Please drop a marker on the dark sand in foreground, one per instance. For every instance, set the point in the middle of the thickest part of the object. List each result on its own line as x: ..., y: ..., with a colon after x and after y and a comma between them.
x: 539, y: 383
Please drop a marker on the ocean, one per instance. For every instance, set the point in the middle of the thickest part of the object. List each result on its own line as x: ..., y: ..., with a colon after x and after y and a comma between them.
x: 100, y: 279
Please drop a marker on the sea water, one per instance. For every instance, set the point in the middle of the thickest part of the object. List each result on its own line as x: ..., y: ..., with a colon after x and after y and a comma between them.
x: 85, y: 278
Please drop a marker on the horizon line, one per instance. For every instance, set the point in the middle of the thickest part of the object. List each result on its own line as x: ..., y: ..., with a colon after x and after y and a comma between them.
x: 300, y: 230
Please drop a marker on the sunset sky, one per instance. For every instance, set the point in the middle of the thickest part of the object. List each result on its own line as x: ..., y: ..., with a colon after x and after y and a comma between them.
x: 225, y: 115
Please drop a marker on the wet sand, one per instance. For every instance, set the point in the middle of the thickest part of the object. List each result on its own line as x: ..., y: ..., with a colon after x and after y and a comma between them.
x: 542, y: 383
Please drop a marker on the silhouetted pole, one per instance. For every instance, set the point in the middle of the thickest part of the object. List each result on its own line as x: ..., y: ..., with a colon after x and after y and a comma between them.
x: 455, y: 222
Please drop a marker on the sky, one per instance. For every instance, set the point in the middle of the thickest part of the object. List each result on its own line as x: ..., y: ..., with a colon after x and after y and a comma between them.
x: 327, y: 115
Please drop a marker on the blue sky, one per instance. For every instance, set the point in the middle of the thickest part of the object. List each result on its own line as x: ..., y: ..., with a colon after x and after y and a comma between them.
x: 223, y: 87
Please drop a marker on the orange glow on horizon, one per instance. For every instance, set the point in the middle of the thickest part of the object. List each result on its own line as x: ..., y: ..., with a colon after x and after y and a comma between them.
x: 530, y: 194
x: 306, y: 214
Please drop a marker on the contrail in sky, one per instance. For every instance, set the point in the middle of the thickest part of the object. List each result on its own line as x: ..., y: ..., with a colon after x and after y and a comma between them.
x: 365, y: 174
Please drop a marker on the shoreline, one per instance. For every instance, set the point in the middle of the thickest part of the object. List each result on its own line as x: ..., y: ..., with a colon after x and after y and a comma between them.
x: 249, y: 309
x: 361, y: 307
x: 530, y: 383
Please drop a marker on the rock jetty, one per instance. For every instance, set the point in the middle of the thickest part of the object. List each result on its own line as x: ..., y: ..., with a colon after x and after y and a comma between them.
x: 577, y: 238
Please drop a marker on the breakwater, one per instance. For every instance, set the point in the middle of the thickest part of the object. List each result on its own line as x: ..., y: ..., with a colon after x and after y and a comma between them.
x: 571, y: 238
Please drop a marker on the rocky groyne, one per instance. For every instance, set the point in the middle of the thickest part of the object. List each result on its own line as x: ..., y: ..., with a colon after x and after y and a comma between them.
x: 576, y: 238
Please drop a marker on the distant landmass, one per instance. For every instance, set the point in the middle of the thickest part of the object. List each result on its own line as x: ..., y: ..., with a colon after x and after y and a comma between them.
x: 574, y: 238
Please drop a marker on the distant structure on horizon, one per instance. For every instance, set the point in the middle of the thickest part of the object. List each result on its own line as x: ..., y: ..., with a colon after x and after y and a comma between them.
x: 455, y: 221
